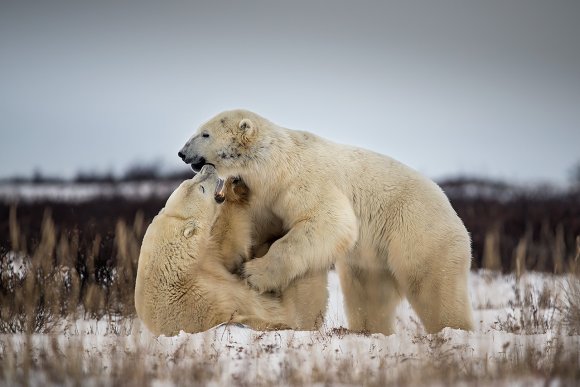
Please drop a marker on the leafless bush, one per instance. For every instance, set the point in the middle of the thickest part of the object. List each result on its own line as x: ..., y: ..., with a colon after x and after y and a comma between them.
x: 530, y: 312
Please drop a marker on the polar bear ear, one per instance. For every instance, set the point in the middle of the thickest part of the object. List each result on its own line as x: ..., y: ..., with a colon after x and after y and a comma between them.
x: 189, y: 230
x: 248, y: 129
x: 246, y: 124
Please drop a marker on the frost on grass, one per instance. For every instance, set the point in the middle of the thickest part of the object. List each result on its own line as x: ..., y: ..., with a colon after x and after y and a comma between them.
x: 522, y: 336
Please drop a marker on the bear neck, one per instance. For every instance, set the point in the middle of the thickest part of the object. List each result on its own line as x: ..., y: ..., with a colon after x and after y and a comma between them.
x: 273, y: 152
x: 231, y: 233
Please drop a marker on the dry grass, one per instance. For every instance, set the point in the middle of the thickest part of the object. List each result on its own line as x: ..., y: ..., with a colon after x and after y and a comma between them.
x: 571, y: 304
x: 45, y: 297
x: 39, y: 288
x: 530, y: 312
x: 67, y: 360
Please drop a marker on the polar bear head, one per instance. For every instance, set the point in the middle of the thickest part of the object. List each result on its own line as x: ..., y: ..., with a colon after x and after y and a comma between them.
x: 198, y: 195
x: 229, y: 141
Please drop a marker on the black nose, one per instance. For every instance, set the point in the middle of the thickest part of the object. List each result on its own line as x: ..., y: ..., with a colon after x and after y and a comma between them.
x: 181, y: 155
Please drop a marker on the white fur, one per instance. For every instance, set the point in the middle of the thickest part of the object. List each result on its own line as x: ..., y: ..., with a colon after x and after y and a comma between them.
x: 183, y: 277
x: 390, y: 231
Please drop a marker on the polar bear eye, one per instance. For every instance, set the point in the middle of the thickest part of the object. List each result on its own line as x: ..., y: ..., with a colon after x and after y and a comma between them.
x: 205, y: 135
x: 202, y: 189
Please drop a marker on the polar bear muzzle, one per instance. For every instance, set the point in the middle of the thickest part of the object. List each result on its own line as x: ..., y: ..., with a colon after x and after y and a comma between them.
x: 196, y: 162
x: 206, y: 169
x: 220, y: 192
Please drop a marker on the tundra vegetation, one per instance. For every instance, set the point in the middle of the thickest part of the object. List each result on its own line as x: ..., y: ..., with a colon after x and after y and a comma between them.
x: 68, y: 259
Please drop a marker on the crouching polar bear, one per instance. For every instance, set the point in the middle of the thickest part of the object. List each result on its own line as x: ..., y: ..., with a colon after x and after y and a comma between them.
x: 189, y: 251
x: 390, y: 231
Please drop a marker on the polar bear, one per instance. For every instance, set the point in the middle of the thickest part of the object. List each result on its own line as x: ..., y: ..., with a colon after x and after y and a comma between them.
x: 184, y: 279
x: 390, y: 231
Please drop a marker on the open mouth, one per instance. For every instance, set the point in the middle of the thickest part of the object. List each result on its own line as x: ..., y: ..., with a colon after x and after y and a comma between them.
x: 220, y: 192
x: 197, y: 166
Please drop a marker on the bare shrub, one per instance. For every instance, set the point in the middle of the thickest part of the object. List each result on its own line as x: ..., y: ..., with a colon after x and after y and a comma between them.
x: 530, y: 312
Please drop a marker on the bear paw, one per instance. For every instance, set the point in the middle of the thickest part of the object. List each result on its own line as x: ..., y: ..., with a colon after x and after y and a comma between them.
x: 263, y: 276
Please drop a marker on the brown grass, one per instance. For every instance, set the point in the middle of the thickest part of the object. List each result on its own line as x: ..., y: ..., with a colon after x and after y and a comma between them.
x: 87, y: 273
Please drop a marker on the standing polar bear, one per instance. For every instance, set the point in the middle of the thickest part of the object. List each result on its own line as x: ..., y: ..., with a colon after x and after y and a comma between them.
x: 184, y: 275
x: 390, y: 231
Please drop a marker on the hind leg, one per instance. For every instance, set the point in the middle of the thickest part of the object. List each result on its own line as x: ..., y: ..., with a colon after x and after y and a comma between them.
x: 442, y: 302
x: 436, y: 285
x: 370, y: 298
x: 439, y: 307
x: 306, y: 300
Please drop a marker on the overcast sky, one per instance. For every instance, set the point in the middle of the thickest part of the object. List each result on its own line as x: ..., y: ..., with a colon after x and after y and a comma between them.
x: 488, y: 87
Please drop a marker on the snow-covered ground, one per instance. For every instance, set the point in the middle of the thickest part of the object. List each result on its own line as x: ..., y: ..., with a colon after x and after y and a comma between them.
x: 522, y: 336
x: 78, y: 192
x: 519, y: 339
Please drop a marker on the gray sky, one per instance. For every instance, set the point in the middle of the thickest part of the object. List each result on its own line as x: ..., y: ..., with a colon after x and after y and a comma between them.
x: 448, y: 87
